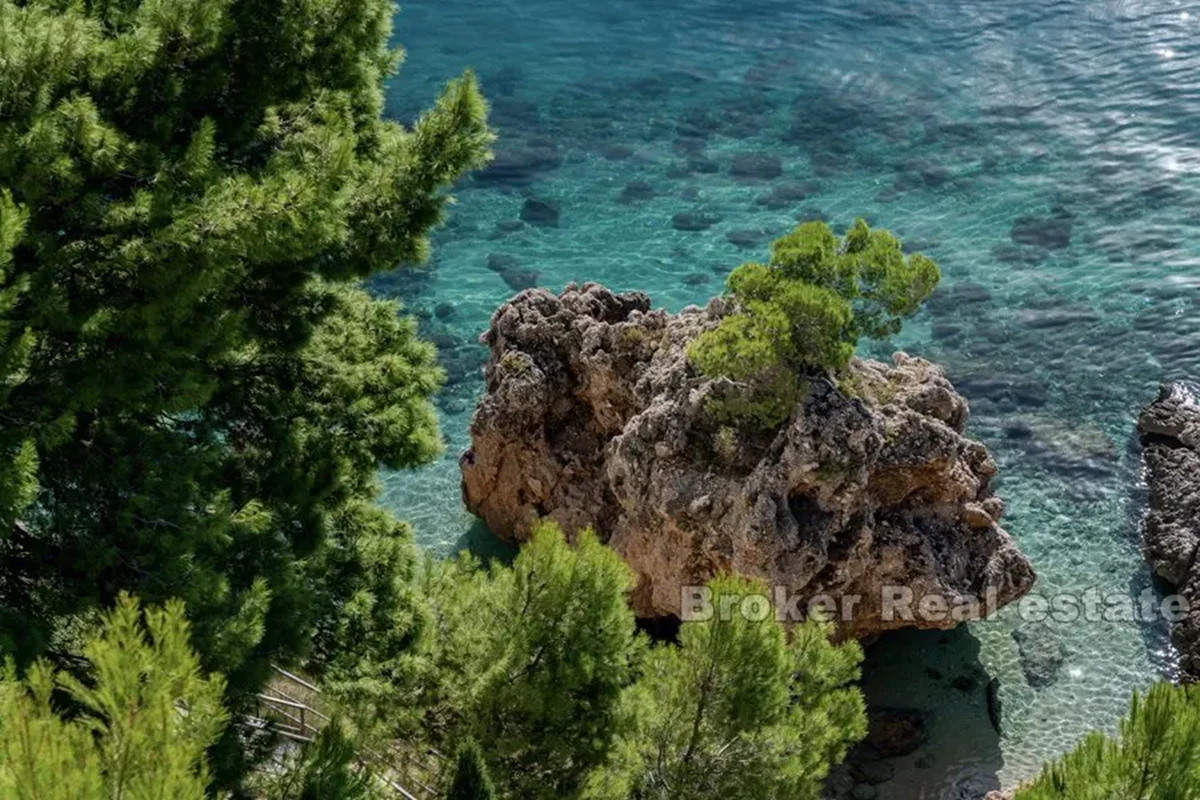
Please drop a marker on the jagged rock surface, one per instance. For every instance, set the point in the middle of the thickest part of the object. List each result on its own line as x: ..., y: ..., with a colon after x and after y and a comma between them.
x: 593, y: 416
x: 1169, y: 430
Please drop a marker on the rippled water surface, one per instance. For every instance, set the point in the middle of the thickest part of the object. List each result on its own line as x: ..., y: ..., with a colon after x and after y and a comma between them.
x: 1044, y: 153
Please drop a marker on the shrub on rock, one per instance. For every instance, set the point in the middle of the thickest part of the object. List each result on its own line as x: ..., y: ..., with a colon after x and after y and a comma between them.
x: 806, y: 309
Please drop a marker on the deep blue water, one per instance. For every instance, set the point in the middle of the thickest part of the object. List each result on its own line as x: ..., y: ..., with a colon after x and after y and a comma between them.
x: 1044, y: 153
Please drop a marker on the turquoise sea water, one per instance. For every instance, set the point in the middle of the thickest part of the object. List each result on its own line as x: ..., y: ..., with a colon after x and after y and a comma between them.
x: 1045, y: 153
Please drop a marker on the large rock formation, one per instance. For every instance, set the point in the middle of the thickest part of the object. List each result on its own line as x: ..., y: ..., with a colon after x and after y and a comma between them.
x: 1169, y: 429
x: 594, y: 416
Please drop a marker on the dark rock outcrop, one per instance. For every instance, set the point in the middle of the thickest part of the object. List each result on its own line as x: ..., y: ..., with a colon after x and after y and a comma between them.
x: 594, y: 416
x: 1169, y: 430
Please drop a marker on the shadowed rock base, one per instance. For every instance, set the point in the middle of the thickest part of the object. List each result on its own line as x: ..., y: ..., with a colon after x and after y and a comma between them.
x: 594, y: 416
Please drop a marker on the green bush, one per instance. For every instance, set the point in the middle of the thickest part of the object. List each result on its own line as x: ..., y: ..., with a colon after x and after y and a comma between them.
x: 739, y: 710
x: 805, y: 311
x: 1155, y: 756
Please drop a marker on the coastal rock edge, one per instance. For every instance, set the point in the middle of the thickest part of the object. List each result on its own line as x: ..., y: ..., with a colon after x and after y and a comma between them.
x: 1169, y: 429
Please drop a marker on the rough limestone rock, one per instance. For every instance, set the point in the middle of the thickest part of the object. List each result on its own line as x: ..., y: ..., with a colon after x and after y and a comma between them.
x: 1169, y: 429
x: 593, y: 416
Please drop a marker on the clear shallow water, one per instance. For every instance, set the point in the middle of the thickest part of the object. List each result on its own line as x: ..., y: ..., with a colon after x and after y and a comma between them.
x: 1045, y: 154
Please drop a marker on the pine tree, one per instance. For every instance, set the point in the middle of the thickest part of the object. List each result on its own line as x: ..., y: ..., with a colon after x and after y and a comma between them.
x: 188, y: 374
x: 471, y: 781
x: 805, y: 311
x: 736, y: 711
x: 533, y: 659
x: 144, y: 716
x: 1156, y: 755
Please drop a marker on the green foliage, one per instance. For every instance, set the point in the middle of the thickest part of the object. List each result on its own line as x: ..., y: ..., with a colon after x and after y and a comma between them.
x: 737, y: 711
x: 532, y: 661
x: 189, y: 193
x: 1156, y: 755
x: 471, y: 781
x: 806, y: 310
x: 540, y: 663
x: 323, y: 770
x: 144, y: 716
x: 546, y: 705
x: 18, y: 457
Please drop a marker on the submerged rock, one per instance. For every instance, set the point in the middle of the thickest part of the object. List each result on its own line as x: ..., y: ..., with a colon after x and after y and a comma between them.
x: 868, y: 767
x: 839, y: 784
x: 1041, y: 654
x: 520, y: 164
x: 965, y: 683
x: 756, y: 167
x: 502, y: 262
x: 918, y: 174
x: 1052, y: 232
x: 518, y: 279
x: 689, y: 145
x: 636, y: 192
x: 895, y: 732
x: 1169, y: 430
x: 540, y: 212
x: 694, y: 221
x: 594, y: 416
x: 786, y: 195
x: 1020, y: 255
x: 507, y: 226
x: 747, y: 238
x: 509, y: 269
x: 617, y: 152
